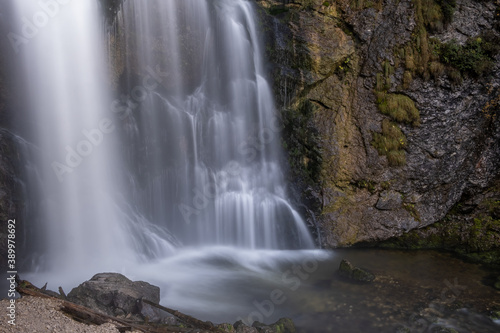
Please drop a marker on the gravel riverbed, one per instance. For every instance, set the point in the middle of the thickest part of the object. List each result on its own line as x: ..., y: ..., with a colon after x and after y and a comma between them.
x: 37, y: 315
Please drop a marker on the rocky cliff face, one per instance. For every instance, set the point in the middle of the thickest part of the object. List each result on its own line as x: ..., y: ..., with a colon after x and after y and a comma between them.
x: 7, y: 147
x: 390, y: 109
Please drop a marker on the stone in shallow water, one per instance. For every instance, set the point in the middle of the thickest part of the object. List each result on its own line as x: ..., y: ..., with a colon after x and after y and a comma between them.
x: 351, y: 272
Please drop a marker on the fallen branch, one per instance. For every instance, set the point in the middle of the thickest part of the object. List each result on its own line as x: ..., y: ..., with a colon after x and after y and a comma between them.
x: 62, y: 293
x: 184, y: 317
x: 33, y: 292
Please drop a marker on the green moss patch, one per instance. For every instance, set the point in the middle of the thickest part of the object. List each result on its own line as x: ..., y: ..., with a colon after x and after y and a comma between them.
x: 391, y: 143
x: 400, y: 108
x: 475, y: 57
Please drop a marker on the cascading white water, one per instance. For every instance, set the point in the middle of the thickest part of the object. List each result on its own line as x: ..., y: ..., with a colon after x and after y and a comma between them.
x: 183, y: 168
x: 82, y: 225
x: 207, y: 137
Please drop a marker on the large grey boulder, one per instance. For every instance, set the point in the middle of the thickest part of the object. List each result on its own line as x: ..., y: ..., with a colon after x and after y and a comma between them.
x: 116, y: 295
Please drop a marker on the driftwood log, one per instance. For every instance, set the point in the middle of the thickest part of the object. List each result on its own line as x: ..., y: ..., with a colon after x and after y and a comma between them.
x: 91, y: 317
x: 184, y: 317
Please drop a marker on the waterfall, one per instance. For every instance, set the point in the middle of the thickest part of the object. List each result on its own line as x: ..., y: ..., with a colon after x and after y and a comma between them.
x: 81, y: 224
x: 202, y: 129
x: 186, y: 156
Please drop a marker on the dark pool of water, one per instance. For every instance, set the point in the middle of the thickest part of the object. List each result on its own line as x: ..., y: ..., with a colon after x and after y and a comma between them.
x: 422, y: 291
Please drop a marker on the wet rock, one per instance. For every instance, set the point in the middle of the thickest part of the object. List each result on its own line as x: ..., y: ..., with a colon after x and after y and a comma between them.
x: 240, y: 327
x: 283, y: 325
x: 262, y: 328
x: 443, y: 329
x: 155, y: 315
x: 351, y: 272
x: 8, y: 205
x: 403, y: 330
x: 497, y: 284
x: 389, y: 200
x: 495, y: 315
x: 495, y: 212
x: 116, y: 295
x: 225, y: 327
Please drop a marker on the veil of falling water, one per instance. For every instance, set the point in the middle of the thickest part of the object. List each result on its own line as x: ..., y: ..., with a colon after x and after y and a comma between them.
x: 80, y: 222
x: 188, y: 156
x: 204, y: 144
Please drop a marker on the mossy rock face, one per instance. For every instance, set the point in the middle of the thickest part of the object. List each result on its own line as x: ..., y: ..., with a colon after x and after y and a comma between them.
x: 399, y: 107
x: 389, y: 200
x: 369, y: 99
x: 391, y: 143
x: 470, y: 229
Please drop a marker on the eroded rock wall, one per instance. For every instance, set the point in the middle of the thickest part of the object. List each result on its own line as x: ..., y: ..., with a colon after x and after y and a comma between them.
x: 341, y: 66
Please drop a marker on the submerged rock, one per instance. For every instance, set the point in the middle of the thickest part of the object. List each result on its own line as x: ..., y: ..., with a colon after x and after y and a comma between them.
x: 116, y: 295
x: 351, y: 272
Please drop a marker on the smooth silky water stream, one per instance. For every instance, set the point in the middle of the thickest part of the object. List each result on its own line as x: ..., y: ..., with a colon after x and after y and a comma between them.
x: 178, y: 181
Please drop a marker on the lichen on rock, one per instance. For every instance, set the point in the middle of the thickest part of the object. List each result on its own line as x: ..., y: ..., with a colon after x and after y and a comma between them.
x: 363, y: 69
